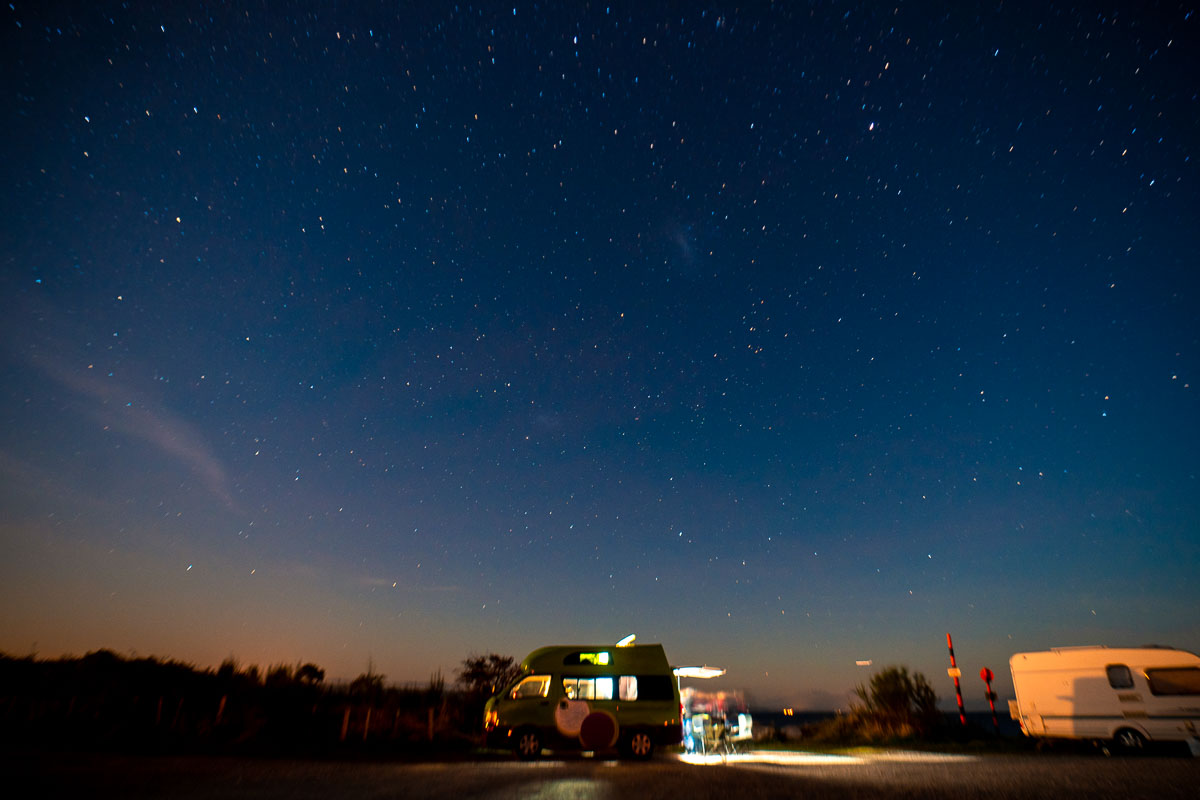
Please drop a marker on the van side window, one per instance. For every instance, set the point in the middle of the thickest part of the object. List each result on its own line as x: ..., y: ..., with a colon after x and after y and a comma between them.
x: 1179, y: 680
x: 533, y: 686
x: 1119, y: 676
x: 627, y: 687
x: 588, y: 688
x: 655, y: 687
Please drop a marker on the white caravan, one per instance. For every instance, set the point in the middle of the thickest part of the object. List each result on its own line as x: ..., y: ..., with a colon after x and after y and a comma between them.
x: 1130, y: 695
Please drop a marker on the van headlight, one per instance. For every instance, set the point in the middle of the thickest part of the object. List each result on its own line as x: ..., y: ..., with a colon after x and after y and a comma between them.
x: 491, y: 720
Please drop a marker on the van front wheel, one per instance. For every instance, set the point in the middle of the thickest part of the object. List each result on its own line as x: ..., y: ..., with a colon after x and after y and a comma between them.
x: 639, y: 745
x: 1128, y: 740
x: 529, y: 744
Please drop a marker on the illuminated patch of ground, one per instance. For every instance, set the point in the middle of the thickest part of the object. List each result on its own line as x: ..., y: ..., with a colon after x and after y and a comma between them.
x: 798, y: 759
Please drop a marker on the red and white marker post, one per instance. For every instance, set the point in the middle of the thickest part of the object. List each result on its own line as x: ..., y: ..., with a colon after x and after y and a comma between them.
x: 987, y: 675
x: 955, y: 672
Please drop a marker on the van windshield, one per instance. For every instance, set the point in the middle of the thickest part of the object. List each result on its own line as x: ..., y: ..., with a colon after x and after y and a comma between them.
x: 531, y: 686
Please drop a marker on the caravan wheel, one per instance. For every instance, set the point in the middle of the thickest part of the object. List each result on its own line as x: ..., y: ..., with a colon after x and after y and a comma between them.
x: 1130, y: 741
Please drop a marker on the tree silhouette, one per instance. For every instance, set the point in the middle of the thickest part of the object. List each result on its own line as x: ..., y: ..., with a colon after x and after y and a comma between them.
x: 279, y: 675
x: 227, y: 670
x: 310, y: 674
x: 367, y: 687
x: 483, y: 676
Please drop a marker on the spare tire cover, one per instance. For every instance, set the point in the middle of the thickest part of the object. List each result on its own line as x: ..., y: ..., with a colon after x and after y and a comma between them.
x: 598, y: 731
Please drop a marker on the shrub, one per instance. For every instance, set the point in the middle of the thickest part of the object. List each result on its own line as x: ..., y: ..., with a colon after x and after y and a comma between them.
x: 895, y: 704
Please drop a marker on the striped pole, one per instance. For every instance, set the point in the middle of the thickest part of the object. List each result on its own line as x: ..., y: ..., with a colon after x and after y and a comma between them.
x: 987, y: 675
x: 954, y: 672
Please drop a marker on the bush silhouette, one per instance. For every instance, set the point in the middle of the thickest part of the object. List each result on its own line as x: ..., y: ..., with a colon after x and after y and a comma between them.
x: 895, y: 704
x: 109, y: 702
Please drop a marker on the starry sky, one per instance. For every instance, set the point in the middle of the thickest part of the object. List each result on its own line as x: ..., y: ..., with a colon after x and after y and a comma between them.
x: 788, y: 335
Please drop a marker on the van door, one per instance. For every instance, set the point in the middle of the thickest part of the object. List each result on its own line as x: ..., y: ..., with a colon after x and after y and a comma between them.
x: 588, y: 710
x: 527, y: 703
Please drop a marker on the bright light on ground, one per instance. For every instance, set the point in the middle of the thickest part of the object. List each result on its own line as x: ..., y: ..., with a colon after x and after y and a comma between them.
x: 797, y: 759
x: 768, y: 757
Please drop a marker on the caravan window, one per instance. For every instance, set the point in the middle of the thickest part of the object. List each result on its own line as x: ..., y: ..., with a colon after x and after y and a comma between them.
x: 1180, y: 680
x: 1119, y: 676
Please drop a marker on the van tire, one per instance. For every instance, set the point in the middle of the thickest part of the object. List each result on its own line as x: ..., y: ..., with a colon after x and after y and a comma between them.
x: 1127, y: 740
x: 528, y: 744
x: 638, y: 744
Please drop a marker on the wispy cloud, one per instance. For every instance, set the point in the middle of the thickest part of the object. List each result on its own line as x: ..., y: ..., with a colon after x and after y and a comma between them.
x: 119, y: 407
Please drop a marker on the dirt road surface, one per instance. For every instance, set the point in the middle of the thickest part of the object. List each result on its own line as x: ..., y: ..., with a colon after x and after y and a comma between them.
x: 767, y: 775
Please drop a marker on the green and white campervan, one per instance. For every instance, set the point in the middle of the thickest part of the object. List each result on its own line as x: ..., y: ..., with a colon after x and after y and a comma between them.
x: 588, y: 697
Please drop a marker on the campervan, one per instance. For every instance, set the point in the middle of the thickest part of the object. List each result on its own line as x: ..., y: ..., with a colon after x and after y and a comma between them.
x: 1127, y: 695
x: 588, y: 698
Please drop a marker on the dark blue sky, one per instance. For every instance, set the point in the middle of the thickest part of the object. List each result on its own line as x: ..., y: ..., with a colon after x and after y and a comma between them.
x: 787, y: 335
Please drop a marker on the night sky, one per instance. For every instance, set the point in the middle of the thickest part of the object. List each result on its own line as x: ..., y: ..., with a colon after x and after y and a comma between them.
x: 785, y: 335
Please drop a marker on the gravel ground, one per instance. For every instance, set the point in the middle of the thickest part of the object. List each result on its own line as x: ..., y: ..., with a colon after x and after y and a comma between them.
x: 894, y: 776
